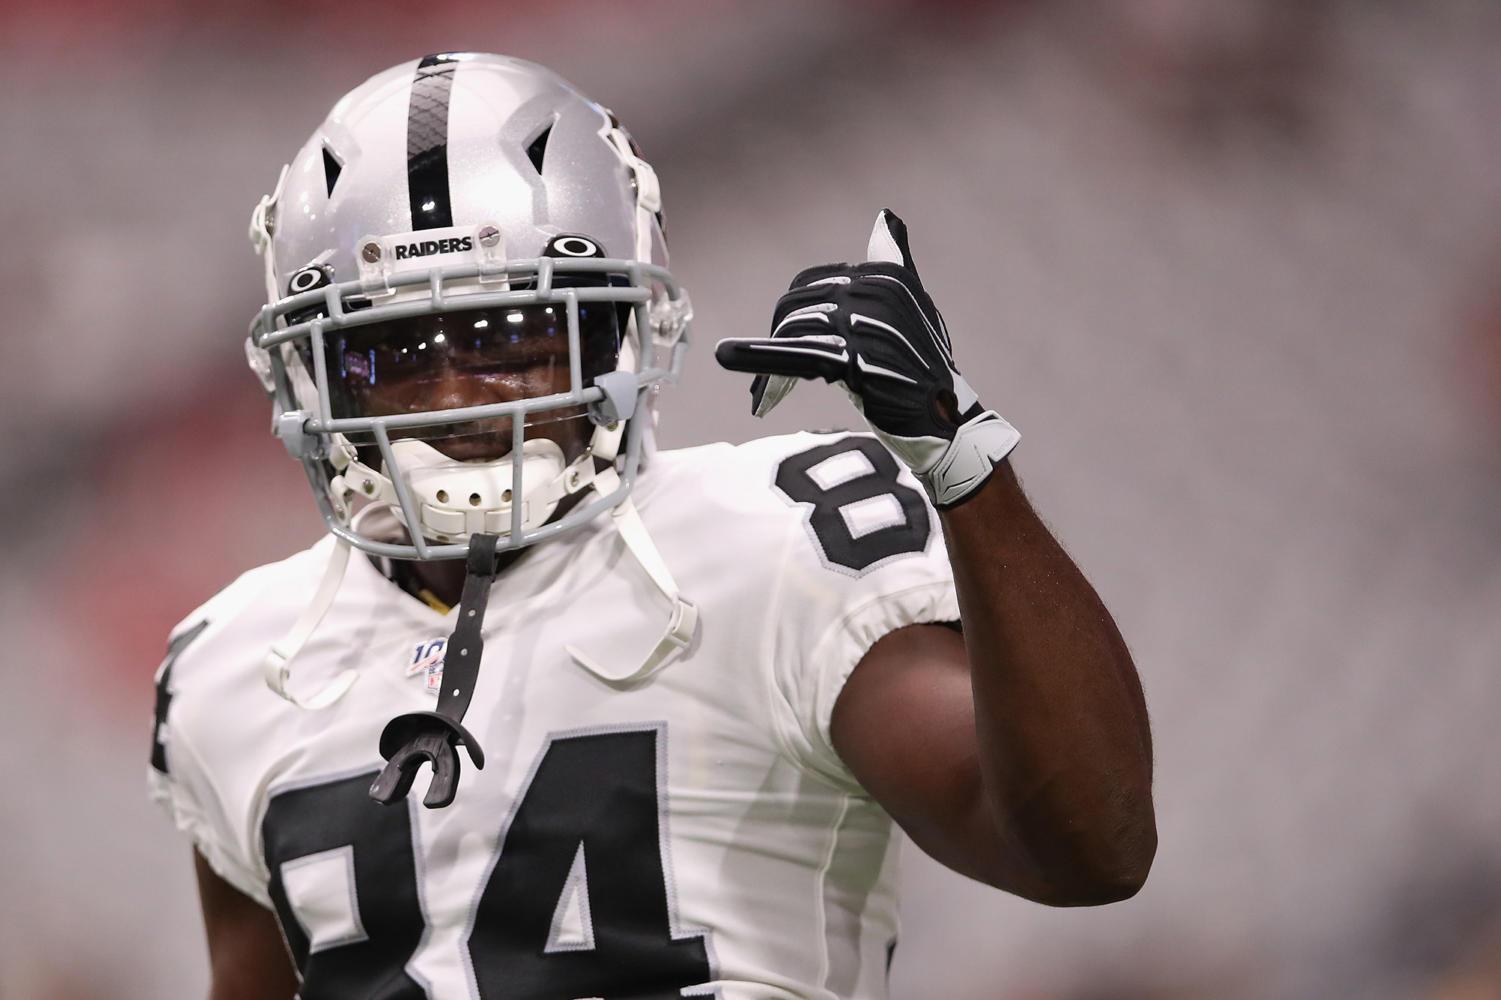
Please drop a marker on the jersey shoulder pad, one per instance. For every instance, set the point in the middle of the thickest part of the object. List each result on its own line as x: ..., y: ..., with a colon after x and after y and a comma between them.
x: 211, y: 672
x: 860, y: 508
x: 847, y: 548
x: 263, y: 601
x: 855, y: 507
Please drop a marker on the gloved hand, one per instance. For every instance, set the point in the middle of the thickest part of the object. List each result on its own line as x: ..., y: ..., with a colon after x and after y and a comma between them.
x: 872, y: 330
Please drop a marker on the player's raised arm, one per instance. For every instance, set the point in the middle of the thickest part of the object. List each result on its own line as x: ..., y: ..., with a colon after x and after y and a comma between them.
x: 1020, y: 754
x: 1060, y: 720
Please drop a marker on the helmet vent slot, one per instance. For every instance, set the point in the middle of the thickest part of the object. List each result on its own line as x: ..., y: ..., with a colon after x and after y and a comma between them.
x: 537, y: 149
x: 331, y: 169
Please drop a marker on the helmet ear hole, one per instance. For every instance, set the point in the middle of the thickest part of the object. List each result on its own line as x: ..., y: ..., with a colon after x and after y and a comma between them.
x: 536, y: 150
x: 331, y: 169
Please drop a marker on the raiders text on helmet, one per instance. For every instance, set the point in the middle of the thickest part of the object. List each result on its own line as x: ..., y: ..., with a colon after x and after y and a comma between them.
x: 461, y: 183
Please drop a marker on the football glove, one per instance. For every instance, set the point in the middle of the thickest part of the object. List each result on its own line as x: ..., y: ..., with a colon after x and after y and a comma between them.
x: 872, y: 330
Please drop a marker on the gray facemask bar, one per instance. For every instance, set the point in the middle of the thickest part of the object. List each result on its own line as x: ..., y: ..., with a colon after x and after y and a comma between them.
x: 308, y: 437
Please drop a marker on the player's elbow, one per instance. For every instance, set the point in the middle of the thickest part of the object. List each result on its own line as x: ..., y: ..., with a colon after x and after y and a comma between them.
x: 1098, y: 891
x: 1111, y: 879
x: 1106, y: 872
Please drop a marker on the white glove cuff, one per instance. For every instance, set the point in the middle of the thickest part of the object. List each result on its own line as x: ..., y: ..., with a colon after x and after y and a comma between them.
x: 978, y: 445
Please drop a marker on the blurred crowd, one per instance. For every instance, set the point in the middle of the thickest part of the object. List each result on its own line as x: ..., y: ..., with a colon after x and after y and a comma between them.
x: 1232, y: 268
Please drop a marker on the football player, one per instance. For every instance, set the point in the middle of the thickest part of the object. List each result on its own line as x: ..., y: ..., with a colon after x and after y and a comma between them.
x: 581, y: 718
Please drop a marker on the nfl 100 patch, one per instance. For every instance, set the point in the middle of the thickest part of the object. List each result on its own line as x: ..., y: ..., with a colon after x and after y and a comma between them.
x: 427, y: 661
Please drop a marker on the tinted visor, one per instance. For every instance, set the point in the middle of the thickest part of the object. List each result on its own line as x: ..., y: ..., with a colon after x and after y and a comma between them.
x: 470, y: 358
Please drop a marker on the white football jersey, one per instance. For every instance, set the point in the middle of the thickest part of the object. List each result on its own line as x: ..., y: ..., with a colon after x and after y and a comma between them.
x: 692, y: 835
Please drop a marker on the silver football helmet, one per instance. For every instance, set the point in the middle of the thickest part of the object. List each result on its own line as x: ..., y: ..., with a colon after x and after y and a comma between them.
x: 466, y: 214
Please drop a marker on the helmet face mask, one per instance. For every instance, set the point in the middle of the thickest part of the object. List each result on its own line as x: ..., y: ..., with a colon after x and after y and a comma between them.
x: 458, y: 359
x: 434, y: 372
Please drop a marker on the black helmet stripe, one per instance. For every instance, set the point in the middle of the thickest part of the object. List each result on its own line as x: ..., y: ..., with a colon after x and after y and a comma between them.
x: 427, y: 142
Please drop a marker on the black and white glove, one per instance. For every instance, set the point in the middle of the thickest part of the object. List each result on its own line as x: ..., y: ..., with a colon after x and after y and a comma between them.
x: 872, y: 330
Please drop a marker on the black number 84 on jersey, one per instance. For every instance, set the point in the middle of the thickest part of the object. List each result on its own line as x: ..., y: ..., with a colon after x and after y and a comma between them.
x: 593, y: 796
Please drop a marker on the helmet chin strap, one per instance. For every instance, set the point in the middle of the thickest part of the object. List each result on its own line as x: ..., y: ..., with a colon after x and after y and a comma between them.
x: 433, y: 478
x: 277, y: 665
x: 682, y: 622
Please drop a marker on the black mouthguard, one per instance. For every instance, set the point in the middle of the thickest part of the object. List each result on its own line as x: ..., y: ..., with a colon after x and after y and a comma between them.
x: 415, y: 738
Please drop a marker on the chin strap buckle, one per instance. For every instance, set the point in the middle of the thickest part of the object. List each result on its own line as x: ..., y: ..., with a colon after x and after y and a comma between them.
x: 415, y: 738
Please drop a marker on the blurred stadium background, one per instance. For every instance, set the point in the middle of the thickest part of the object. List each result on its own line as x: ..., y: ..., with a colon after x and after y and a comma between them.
x: 1233, y: 267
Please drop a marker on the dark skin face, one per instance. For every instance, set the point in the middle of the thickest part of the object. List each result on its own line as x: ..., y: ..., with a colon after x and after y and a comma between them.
x: 457, y: 377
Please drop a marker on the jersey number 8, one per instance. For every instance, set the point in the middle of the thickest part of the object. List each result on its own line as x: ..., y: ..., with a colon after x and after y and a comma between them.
x: 861, y: 513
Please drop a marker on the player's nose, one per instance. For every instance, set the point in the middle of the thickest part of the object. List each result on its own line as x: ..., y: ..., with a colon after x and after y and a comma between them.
x: 453, y: 387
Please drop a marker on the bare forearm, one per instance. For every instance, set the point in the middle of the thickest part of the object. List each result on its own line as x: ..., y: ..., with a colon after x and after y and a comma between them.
x: 1064, y: 742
